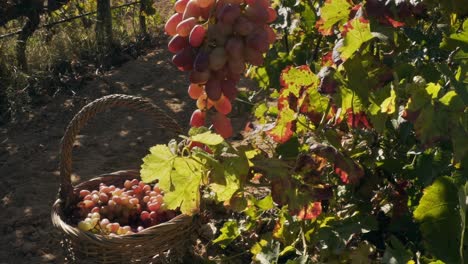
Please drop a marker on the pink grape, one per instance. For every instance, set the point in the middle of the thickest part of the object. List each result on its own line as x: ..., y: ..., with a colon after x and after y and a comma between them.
x: 217, y: 58
x: 197, y: 35
x: 184, y: 59
x: 172, y: 23
x: 176, y: 44
x: 229, y: 89
x: 205, y: 3
x: 202, y: 61
x: 272, y: 15
x: 183, y: 28
x: 180, y: 6
x: 234, y: 47
x: 84, y: 193
x: 154, y: 206
x: 223, y: 105
x: 222, y: 125
x: 195, y: 91
x: 253, y: 56
x: 192, y: 10
x: 213, y: 89
x: 256, y: 14
x: 198, y: 118
x: 229, y: 13
x: 199, y: 77
x: 243, y: 26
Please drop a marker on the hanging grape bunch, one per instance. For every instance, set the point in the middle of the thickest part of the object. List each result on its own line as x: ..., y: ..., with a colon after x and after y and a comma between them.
x: 214, y: 40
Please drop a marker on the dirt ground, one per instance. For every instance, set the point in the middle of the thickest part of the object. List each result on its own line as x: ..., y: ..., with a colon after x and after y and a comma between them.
x: 114, y: 140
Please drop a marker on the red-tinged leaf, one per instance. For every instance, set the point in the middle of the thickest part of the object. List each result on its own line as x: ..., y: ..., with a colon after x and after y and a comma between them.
x: 327, y: 59
x: 310, y: 212
x: 349, y: 171
x: 357, y: 120
x: 283, y: 131
x: 356, y: 32
x: 333, y: 13
x: 393, y: 22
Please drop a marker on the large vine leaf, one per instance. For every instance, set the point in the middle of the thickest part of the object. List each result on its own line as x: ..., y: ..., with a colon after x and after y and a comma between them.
x: 333, y: 12
x: 158, y: 164
x: 179, y: 177
x: 356, y: 32
x: 282, y: 131
x: 439, y: 219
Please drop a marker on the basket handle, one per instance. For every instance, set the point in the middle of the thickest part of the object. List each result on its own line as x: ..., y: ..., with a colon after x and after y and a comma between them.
x: 88, y: 112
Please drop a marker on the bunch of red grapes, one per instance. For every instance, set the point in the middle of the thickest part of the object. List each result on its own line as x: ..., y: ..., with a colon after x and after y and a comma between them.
x: 214, y: 39
x: 122, y: 211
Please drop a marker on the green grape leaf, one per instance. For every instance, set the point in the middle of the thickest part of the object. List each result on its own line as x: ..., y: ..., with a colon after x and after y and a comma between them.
x: 439, y: 220
x: 388, y: 105
x: 158, y: 164
x: 356, y: 32
x: 293, y: 79
x: 179, y: 177
x: 208, y: 138
x: 183, y: 185
x: 333, y: 12
x: 265, y: 203
x: 229, y: 232
x: 228, y: 174
x: 433, y: 90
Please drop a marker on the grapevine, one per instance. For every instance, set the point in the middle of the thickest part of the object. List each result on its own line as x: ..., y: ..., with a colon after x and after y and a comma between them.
x: 214, y: 40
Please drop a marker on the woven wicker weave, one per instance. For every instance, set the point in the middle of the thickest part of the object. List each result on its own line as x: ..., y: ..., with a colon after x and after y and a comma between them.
x: 86, y: 247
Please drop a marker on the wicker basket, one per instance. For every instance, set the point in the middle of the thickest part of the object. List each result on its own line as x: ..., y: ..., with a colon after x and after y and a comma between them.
x: 86, y: 247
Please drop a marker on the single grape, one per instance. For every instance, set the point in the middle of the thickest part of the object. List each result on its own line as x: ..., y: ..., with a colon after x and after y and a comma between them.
x: 176, y: 44
x: 205, y: 3
x: 222, y: 125
x: 183, y: 28
x: 229, y: 13
x: 236, y: 66
x: 192, y: 10
x: 203, y: 102
x: 197, y: 120
x: 145, y: 215
x: 229, y: 89
x: 199, y: 77
x: 213, y: 89
x: 234, y: 47
x: 254, y: 57
x: 258, y: 40
x: 195, y: 91
x: 223, y: 105
x: 184, y: 59
x: 271, y: 34
x: 243, y: 26
x: 197, y: 35
x: 172, y: 23
x: 84, y: 193
x: 217, y: 58
x: 180, y: 6
x: 272, y: 15
x: 257, y: 14
x: 154, y: 206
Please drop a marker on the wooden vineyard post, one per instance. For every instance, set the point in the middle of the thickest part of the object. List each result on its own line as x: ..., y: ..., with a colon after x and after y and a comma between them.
x: 104, y: 28
x: 143, y: 28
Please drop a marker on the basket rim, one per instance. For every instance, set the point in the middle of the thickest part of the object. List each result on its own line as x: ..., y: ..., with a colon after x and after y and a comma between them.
x: 180, y: 222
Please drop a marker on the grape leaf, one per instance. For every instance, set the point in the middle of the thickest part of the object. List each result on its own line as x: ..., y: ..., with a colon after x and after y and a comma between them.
x: 158, y: 164
x: 228, y: 172
x: 356, y: 32
x: 179, y: 177
x: 388, y: 105
x: 208, y: 138
x: 439, y: 220
x: 282, y: 131
x: 333, y: 12
x: 229, y: 232
x: 293, y: 79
